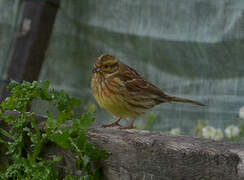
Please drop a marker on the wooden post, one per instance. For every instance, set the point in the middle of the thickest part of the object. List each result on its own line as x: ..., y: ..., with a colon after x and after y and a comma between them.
x: 31, y: 41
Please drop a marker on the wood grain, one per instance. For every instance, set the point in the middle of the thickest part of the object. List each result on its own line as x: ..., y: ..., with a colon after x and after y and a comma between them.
x: 151, y: 156
x: 144, y: 155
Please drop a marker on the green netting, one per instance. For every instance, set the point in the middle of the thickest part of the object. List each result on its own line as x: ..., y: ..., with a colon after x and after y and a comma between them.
x: 9, y: 16
x: 189, y: 48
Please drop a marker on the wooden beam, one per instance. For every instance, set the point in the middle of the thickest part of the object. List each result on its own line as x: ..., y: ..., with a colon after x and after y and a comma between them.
x: 31, y: 41
x: 154, y: 155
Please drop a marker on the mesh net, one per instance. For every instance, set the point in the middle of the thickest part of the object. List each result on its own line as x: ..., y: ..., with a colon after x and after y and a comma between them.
x: 9, y: 15
x: 188, y: 48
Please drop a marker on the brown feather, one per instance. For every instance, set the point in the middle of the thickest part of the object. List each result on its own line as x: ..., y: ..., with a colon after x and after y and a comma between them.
x: 134, y: 82
x: 123, y: 92
x: 177, y: 99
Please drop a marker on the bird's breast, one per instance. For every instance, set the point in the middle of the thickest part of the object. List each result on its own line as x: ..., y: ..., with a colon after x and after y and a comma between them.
x: 110, y: 94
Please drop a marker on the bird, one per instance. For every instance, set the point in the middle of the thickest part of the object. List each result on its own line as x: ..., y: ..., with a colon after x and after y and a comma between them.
x: 124, y: 93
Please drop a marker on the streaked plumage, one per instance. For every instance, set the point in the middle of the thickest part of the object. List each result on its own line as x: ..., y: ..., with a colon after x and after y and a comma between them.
x: 123, y: 92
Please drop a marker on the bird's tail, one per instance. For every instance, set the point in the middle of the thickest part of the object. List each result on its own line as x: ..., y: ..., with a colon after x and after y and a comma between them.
x: 176, y: 99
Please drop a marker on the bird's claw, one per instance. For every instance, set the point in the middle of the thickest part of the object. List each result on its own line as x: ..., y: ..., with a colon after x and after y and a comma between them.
x: 111, y: 125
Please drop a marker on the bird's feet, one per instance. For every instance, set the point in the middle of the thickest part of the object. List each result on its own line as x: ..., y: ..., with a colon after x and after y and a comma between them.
x: 116, y: 123
x: 130, y: 126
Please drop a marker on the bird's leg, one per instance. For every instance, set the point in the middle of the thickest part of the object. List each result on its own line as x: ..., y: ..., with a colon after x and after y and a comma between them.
x: 130, y: 126
x: 116, y: 123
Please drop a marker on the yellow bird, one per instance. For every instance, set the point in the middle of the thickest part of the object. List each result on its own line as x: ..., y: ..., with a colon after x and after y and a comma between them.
x: 123, y: 92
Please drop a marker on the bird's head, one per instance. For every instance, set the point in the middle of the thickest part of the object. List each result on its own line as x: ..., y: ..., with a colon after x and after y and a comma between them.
x: 106, y: 64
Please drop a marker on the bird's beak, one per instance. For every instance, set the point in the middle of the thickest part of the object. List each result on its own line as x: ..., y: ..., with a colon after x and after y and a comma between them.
x: 96, y: 69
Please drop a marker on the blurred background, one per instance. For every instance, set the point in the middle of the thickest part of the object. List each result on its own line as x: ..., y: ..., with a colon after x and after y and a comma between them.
x: 188, y: 48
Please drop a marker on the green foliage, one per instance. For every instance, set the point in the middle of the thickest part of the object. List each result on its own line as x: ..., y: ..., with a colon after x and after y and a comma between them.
x: 199, y: 127
x: 149, y: 122
x: 25, y: 161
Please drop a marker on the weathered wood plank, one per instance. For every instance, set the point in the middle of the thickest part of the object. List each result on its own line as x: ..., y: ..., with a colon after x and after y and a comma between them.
x: 138, y: 155
x: 31, y: 41
x: 151, y: 156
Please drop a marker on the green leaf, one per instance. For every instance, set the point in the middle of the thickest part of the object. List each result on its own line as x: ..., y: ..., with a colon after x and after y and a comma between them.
x: 25, y: 142
x: 2, y: 141
x: 8, y: 118
x: 81, y: 140
x: 94, y: 153
x: 5, y: 133
x: 86, y: 121
x: 51, y: 121
x: 63, y: 117
x: 70, y: 177
x: 61, y: 138
x: 44, y: 85
x: 85, y: 160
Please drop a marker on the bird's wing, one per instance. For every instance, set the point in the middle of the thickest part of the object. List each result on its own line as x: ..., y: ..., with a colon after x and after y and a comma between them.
x: 135, y: 83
